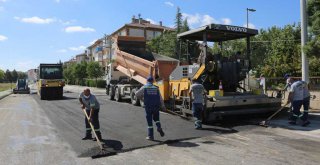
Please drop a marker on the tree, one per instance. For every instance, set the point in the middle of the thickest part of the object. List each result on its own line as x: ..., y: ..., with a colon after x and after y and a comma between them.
x: 313, y: 47
x: 178, y: 21
x: 14, y: 74
x: 94, y: 71
x: 185, y: 26
x: 68, y: 73
x: 80, y: 72
x: 2, y: 75
x: 22, y: 75
x: 8, y: 76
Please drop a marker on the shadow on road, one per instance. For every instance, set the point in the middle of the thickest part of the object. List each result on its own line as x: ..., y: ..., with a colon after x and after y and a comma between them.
x: 115, y: 144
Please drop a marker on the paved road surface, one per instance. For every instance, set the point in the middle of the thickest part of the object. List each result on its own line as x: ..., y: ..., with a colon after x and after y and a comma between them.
x: 49, y: 132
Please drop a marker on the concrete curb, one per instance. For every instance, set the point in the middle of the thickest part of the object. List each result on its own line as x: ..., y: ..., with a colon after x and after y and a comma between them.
x: 6, y: 93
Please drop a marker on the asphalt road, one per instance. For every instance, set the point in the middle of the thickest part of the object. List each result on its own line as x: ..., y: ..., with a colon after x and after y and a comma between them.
x: 35, y: 131
x: 123, y: 126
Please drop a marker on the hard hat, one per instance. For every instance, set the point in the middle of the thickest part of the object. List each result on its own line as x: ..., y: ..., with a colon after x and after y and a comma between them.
x: 150, y: 79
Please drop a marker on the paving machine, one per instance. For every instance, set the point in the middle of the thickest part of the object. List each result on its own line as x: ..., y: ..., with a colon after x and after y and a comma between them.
x: 222, y: 76
x: 50, y: 81
x: 21, y: 87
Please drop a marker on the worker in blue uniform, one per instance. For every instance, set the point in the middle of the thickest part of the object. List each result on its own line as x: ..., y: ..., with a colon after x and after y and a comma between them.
x: 153, y: 102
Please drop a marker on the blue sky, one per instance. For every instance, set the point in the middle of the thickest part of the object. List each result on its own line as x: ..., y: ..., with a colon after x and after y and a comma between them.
x: 46, y: 31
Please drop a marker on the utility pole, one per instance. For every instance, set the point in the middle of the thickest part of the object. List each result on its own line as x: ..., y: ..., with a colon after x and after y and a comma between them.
x: 304, y: 59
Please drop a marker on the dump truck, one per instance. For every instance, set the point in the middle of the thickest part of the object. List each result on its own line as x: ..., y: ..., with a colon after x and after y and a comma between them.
x: 132, y: 65
x: 50, y: 81
x: 223, y: 77
x: 21, y: 87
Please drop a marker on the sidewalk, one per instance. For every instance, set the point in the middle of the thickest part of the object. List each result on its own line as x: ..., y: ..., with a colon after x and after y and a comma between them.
x: 6, y: 93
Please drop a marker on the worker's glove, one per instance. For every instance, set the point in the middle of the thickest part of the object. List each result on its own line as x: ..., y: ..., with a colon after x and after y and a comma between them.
x: 82, y: 106
x: 90, y: 118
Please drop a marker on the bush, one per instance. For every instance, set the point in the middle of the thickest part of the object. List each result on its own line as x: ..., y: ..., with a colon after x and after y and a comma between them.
x: 92, y: 83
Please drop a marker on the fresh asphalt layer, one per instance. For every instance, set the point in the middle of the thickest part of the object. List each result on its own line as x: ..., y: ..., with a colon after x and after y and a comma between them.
x: 123, y: 126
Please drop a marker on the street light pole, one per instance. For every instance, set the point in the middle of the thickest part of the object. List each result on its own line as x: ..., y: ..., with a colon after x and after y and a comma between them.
x: 252, y: 10
x: 304, y: 59
x: 248, y: 48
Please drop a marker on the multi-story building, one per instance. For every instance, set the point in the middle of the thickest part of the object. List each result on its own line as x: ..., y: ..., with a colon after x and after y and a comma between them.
x: 82, y: 58
x: 32, y: 75
x: 138, y: 28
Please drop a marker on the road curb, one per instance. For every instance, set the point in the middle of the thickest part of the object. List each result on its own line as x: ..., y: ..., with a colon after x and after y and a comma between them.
x: 5, y: 94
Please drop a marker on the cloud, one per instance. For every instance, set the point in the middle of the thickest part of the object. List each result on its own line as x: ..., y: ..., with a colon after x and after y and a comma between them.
x: 226, y: 21
x: 3, y: 0
x: 58, y: 1
x: 169, y: 4
x: 3, y: 38
x: 72, y: 29
x: 79, y: 48
x: 36, y: 20
x: 151, y: 21
x: 192, y: 19
x: 198, y: 19
x: 251, y: 26
x: 207, y: 19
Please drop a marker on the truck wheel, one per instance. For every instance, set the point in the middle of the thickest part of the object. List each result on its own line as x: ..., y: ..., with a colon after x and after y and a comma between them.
x: 42, y: 94
x: 134, y: 100
x: 111, y: 93
x: 117, y: 95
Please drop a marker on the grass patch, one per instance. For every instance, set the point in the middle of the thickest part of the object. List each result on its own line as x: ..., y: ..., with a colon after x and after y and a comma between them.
x: 5, y: 86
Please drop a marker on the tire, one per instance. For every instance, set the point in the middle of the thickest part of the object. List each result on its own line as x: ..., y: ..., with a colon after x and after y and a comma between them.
x: 117, y: 95
x: 42, y: 94
x: 111, y: 93
x: 134, y: 100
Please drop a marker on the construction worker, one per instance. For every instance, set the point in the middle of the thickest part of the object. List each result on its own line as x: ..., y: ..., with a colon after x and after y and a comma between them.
x: 153, y: 101
x: 306, y: 105
x: 288, y: 80
x: 197, y: 91
x: 90, y: 103
x: 298, y: 96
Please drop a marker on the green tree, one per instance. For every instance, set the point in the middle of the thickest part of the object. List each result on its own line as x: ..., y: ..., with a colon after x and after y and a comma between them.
x: 313, y: 47
x: 178, y: 21
x: 185, y: 25
x: 95, y: 71
x: 14, y: 75
x: 8, y: 76
x: 80, y: 72
x: 22, y: 75
x: 2, y: 75
x: 68, y: 73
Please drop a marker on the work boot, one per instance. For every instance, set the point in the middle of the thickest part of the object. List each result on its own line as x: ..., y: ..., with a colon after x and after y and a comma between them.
x: 161, y: 132
x: 150, y: 138
x: 99, y: 137
x: 305, y: 123
x: 87, y: 137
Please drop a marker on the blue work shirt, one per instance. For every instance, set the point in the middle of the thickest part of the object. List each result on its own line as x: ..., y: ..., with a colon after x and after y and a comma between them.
x: 90, y: 102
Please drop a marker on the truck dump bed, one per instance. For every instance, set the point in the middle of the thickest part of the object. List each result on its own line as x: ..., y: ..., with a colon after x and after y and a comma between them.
x: 133, y: 60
